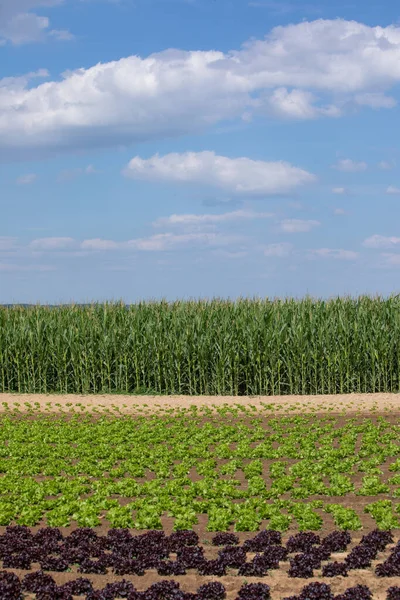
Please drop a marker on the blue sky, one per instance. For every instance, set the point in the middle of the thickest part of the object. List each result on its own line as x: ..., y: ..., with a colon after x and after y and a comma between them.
x: 198, y: 148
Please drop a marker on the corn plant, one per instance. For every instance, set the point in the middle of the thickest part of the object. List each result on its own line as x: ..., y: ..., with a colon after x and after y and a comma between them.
x: 217, y: 347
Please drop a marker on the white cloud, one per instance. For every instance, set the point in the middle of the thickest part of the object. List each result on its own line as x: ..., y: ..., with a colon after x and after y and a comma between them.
x: 294, y: 104
x: 279, y: 250
x: 19, y: 25
x: 381, y: 241
x: 167, y: 241
x: 18, y: 84
x: 350, y: 166
x: 153, y: 243
x: 61, y: 34
x: 338, y: 254
x: 24, y: 28
x: 178, y: 92
x: 385, y: 165
x: 209, y: 220
x: 393, y: 190
x: 298, y: 225
x: 339, y: 190
x: 235, y: 175
x: 339, y: 211
x: 52, y: 243
x: 26, y: 179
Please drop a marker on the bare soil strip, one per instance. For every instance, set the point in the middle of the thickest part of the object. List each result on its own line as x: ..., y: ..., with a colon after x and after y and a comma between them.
x: 129, y: 404
x: 280, y: 584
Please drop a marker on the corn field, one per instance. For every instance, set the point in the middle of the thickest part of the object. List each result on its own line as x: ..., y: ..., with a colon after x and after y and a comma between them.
x: 216, y: 347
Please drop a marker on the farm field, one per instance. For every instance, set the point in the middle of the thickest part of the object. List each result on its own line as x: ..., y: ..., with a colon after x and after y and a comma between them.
x: 207, y: 348
x: 201, y: 450
x: 136, y: 489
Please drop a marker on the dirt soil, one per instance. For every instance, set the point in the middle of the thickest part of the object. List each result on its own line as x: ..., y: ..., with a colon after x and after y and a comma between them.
x: 128, y: 404
x: 280, y: 584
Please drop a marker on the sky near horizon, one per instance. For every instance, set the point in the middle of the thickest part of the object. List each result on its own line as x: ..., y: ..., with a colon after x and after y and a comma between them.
x: 198, y: 148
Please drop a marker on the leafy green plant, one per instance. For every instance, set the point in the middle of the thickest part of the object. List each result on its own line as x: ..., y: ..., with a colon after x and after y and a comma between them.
x: 246, y: 518
x: 340, y: 485
x: 344, y: 518
x: 306, y: 517
x: 253, y: 469
x: 372, y: 485
x: 382, y: 512
x: 219, y: 519
x: 280, y: 522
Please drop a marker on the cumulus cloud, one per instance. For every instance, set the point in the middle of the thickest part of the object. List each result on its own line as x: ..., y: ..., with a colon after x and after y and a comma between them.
x: 393, y: 190
x: 167, y: 241
x: 339, y: 190
x: 209, y: 220
x: 153, y: 243
x: 298, y: 225
x: 26, y: 179
x: 19, y: 25
x: 234, y: 175
x: 381, y: 241
x: 350, y: 166
x: 295, y: 104
x: 19, y: 83
x: 221, y: 243
x: 52, y: 243
x: 301, y: 70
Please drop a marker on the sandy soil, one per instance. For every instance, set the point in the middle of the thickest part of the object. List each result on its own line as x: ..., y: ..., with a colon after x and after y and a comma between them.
x: 281, y: 585
x: 351, y: 403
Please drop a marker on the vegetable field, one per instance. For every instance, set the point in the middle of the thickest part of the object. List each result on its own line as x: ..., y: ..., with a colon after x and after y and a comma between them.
x: 232, y: 503
x: 218, y: 347
x: 236, y: 468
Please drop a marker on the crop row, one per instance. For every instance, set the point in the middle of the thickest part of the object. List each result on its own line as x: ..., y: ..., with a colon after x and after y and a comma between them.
x: 45, y: 588
x: 128, y: 555
x: 238, y: 471
x: 248, y: 347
